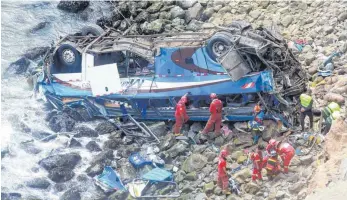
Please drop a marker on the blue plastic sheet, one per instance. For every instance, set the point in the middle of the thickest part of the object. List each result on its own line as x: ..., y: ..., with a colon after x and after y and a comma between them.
x: 111, y: 179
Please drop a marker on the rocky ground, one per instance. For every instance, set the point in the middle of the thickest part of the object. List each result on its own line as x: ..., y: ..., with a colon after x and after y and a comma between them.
x: 322, y: 24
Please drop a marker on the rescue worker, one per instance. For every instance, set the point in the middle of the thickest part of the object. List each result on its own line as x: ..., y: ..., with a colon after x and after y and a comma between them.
x: 329, y: 114
x: 223, y: 180
x: 180, y: 115
x: 257, y: 158
x: 306, y: 102
x: 257, y: 123
x: 215, y: 119
x: 272, y: 165
x: 284, y: 150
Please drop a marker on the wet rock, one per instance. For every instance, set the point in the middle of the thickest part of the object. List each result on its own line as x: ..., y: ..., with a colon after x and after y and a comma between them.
x: 287, y: 20
x: 177, y: 12
x: 74, y: 143
x: 43, y: 135
x: 119, y: 195
x: 84, y: 131
x: 306, y: 160
x: 154, y: 8
x: 33, y: 197
x: 59, y: 187
x: 71, y: 194
x: 113, y: 143
x: 185, y: 4
x: 61, y: 174
x: 30, y: 148
x: 251, y: 188
x: 98, y: 163
x: 18, y: 67
x: 40, y: 183
x: 93, y: 146
x: 69, y: 160
x: 35, y: 53
x: 142, y: 17
x: 73, y: 6
x: 208, y: 187
x: 104, y: 21
x: 194, y: 12
x: 11, y: 196
x: 177, y: 149
x: 194, y: 162
x: 61, y: 123
x: 39, y: 26
x: 105, y: 127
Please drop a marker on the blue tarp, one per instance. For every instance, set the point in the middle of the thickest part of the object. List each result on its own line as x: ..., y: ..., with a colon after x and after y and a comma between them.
x: 111, y: 179
x: 157, y: 174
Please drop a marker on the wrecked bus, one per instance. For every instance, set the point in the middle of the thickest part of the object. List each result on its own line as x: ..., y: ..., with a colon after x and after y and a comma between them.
x: 107, y: 73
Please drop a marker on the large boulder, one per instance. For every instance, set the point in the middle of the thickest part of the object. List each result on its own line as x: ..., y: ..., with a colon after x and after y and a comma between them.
x: 194, y: 162
x: 127, y: 171
x: 177, y: 12
x: 73, y: 6
x: 118, y: 195
x: 41, y: 183
x: 35, y: 52
x: 11, y: 196
x: 98, y: 163
x: 168, y: 141
x: 159, y: 129
x: 194, y: 12
x: 251, y: 188
x: 69, y: 160
x: 142, y: 17
x: 156, y: 26
x: 61, y: 174
x: 84, y: 131
x: 18, y: 67
x: 61, y: 122
x: 154, y: 8
x: 93, y: 146
x: 39, y: 26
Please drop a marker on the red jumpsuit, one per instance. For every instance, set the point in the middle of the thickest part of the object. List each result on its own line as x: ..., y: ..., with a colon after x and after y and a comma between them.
x: 215, y: 118
x: 257, y: 159
x: 222, y: 181
x: 287, y: 152
x: 180, y: 116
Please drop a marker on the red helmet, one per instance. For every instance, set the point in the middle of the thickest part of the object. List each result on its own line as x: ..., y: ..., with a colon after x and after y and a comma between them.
x: 224, y: 153
x: 273, y: 142
x: 213, y: 95
x: 184, y: 99
x: 256, y: 108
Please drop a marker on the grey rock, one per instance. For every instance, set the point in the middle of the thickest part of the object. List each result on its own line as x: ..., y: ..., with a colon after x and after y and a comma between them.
x: 306, y: 160
x: 177, y: 149
x: 61, y: 122
x: 93, y: 146
x: 71, y: 194
x: 11, y: 196
x: 194, y: 25
x: 342, y: 16
x: 33, y: 197
x: 154, y: 8
x: 98, y: 163
x: 41, y: 183
x: 177, y: 22
x: 328, y: 29
x: 210, y: 156
x: 194, y: 12
x: 61, y: 174
x: 251, y: 188
x: 185, y: 4
x: 194, y: 162
x: 295, y: 188
x: 59, y: 187
x: 287, y: 20
x: 18, y: 67
x: 73, y: 6
x: 156, y: 26
x: 309, y: 58
x: 192, y: 176
x: 127, y: 172
x: 208, y: 187
x: 219, y: 141
x: 168, y: 142
x: 201, y: 196
x: 255, y: 14
x: 113, y: 143
x: 177, y: 12
x: 180, y: 175
x: 142, y: 17
x: 74, y: 143
x: 105, y: 128
x: 187, y: 189
x: 159, y: 129
x: 69, y: 160
x: 29, y: 148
